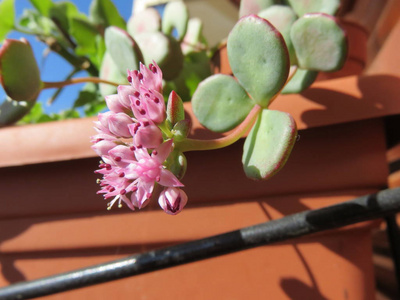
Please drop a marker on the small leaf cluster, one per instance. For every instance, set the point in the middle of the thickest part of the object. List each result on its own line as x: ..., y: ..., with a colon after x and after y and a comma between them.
x: 103, y: 45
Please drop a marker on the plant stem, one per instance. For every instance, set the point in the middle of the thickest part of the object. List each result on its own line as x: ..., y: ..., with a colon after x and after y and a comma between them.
x: 60, y: 84
x: 236, y: 134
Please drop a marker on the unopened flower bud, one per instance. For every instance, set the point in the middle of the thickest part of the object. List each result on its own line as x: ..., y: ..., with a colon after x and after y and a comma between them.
x: 172, y: 200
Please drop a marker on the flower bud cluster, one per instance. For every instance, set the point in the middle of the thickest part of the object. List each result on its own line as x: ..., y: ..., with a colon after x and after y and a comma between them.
x: 132, y: 145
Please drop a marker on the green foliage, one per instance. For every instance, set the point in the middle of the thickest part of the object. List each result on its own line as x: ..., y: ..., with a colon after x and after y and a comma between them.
x: 258, y: 57
x: 176, y: 16
x: 220, y: 103
x: 43, y: 6
x: 19, y: 73
x: 319, y: 42
x: 7, y: 16
x: 104, y: 13
x: 37, y: 115
x: 12, y: 111
x: 268, y: 145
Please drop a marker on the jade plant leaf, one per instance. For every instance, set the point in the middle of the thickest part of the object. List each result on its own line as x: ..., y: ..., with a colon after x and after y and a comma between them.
x: 148, y: 20
x: 176, y: 17
x: 7, y: 16
x: 192, y: 39
x: 319, y: 42
x: 12, y: 111
x: 248, y: 7
x: 110, y: 71
x: 258, y: 57
x: 104, y: 13
x: 155, y: 46
x: 301, y: 80
x: 220, y: 103
x: 19, y: 72
x: 282, y: 18
x: 302, y: 7
x: 174, y: 64
x: 269, y: 143
x: 123, y: 49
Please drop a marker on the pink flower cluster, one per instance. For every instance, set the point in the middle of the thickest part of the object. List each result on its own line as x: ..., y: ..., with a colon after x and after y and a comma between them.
x: 132, y: 146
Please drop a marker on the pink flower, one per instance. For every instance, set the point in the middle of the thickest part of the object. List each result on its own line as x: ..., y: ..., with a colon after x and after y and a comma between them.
x: 115, y: 124
x: 134, y: 172
x: 172, y: 200
x: 151, y: 77
x: 146, y: 134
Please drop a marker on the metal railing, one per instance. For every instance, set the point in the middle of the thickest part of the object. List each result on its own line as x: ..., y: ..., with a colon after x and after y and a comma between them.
x: 384, y: 203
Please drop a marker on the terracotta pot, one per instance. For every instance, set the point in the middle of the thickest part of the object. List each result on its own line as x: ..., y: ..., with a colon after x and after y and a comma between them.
x: 55, y: 221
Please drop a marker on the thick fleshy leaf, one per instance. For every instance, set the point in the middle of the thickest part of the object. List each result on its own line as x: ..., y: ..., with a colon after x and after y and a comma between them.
x: 258, y: 57
x: 19, y: 72
x: 43, y: 6
x: 248, y: 7
x: 220, y: 103
x: 109, y: 71
x: 154, y: 46
x: 192, y: 39
x: 302, y: 7
x: 12, y: 111
x: 319, y: 42
x: 149, y: 20
x: 176, y: 16
x: 174, y: 64
x: 104, y: 13
x: 301, y: 80
x: 269, y: 144
x: 123, y: 50
x: 7, y: 16
x: 282, y: 18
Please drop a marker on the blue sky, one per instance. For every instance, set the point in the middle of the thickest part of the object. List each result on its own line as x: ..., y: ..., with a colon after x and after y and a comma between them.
x: 55, y: 68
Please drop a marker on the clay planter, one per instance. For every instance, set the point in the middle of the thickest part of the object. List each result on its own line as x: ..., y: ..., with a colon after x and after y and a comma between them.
x: 52, y: 220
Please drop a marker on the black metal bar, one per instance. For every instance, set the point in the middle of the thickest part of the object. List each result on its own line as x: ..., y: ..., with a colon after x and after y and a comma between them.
x: 300, y: 224
x: 393, y: 233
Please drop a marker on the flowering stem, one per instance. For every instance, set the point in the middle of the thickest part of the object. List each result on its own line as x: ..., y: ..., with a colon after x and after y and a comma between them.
x: 237, y: 133
x: 59, y: 84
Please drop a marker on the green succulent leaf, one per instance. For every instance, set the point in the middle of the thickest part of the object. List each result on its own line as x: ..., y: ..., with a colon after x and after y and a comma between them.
x: 104, y: 13
x: 302, y: 7
x: 319, y: 42
x: 123, y: 49
x: 19, y: 72
x: 148, y: 20
x: 7, y: 16
x: 301, y: 80
x: 155, y: 46
x: 193, y: 36
x: 220, y: 103
x: 172, y: 67
x: 110, y: 71
x: 12, y: 111
x: 248, y: 7
x: 43, y: 6
x: 258, y: 57
x: 282, y: 18
x: 176, y: 16
x: 268, y: 145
